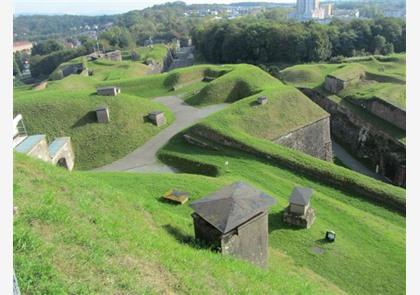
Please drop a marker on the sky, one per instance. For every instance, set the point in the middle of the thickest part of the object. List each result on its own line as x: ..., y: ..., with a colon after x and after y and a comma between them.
x: 98, y: 7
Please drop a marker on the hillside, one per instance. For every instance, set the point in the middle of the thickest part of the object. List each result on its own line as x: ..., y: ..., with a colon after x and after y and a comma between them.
x: 71, y: 113
x: 385, y: 77
x: 110, y: 233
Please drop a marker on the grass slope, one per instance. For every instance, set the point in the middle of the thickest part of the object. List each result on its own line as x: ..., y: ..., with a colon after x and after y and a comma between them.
x: 370, y: 238
x: 84, y: 233
x: 64, y: 113
x: 385, y: 77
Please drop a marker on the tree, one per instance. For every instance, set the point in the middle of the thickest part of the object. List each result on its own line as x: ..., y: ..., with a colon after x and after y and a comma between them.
x: 46, y: 47
x: 379, y: 43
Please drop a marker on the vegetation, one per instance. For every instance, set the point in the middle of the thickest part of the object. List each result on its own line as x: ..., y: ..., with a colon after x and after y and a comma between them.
x: 107, y: 223
x: 42, y: 66
x: 89, y: 232
x: 46, y: 47
x: 384, y: 77
x: 72, y: 113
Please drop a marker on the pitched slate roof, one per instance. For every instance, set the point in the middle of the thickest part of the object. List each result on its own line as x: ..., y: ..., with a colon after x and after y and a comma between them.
x: 301, y: 196
x: 232, y: 205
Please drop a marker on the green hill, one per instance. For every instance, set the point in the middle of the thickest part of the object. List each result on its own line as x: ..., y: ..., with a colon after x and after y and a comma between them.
x: 71, y: 113
x: 90, y: 232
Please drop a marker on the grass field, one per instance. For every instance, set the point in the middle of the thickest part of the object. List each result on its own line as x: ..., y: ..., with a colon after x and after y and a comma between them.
x: 71, y: 113
x: 110, y: 233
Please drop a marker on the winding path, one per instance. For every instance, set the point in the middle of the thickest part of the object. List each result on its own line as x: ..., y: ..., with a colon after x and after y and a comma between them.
x: 143, y: 159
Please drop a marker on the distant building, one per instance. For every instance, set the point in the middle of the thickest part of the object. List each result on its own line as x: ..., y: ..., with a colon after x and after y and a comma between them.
x: 22, y: 46
x: 313, y: 10
x: 309, y: 9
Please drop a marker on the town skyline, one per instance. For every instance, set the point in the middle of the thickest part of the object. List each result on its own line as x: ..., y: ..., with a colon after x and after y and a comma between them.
x: 96, y: 7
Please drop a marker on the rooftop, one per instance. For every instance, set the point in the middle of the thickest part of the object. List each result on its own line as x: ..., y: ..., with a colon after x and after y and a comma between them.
x: 301, y: 196
x: 232, y: 205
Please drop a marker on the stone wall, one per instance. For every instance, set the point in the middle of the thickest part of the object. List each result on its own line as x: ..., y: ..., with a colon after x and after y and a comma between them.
x: 371, y: 145
x: 333, y: 85
x: 386, y: 111
x: 249, y: 241
x: 313, y: 139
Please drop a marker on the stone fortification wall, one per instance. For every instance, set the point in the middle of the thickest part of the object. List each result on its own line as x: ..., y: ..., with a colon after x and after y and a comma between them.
x: 386, y: 111
x: 313, y: 139
x: 371, y: 145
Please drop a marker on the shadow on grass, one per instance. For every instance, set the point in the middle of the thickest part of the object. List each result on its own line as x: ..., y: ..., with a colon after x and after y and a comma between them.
x: 183, y: 238
x: 88, y: 118
x: 275, y: 222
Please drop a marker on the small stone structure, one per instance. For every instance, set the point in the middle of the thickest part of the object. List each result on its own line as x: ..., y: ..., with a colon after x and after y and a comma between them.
x: 72, y: 69
x: 158, y: 118
x: 262, y: 100
x: 176, y: 196
x: 102, y: 113
x: 61, y: 153
x: 113, y: 55
x: 35, y: 146
x: 299, y: 213
x: 235, y: 220
x: 108, y: 91
x: 342, y: 78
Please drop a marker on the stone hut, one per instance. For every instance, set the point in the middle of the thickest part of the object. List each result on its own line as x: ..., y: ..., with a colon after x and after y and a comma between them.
x: 158, y: 118
x: 108, y: 91
x: 343, y: 77
x: 113, y: 55
x: 235, y: 220
x: 299, y: 212
x: 261, y: 100
x: 102, y: 113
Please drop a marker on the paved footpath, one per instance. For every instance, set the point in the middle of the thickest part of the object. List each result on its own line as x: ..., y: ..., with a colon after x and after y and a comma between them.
x: 143, y: 159
x: 353, y: 163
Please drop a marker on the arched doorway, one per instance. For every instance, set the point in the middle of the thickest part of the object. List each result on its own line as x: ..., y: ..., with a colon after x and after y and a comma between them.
x: 62, y: 163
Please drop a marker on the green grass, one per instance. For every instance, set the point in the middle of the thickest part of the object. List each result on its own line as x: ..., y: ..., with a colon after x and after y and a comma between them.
x: 287, y: 110
x: 307, y: 75
x: 63, y: 113
x: 106, y: 70
x: 392, y: 93
x: 109, y: 232
x: 156, y: 53
x: 348, y: 72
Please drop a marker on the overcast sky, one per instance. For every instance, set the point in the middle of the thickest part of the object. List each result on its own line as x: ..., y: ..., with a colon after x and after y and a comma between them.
x: 97, y: 7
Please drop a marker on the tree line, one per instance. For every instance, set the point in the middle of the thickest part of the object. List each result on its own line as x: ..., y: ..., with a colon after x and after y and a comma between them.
x: 252, y: 40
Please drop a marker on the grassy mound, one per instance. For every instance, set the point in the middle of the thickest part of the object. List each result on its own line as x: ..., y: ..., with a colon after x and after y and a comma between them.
x: 311, y: 75
x: 287, y: 109
x: 64, y: 113
x: 241, y: 81
x: 156, y: 53
x: 106, y: 70
x: 90, y: 232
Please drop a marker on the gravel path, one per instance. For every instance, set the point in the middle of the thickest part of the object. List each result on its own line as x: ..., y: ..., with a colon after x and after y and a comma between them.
x: 143, y: 159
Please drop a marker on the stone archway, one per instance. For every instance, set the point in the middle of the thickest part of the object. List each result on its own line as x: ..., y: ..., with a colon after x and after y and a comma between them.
x: 62, y: 162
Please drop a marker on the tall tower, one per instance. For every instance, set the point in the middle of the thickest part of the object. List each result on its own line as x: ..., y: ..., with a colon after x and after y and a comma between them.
x: 300, y: 7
